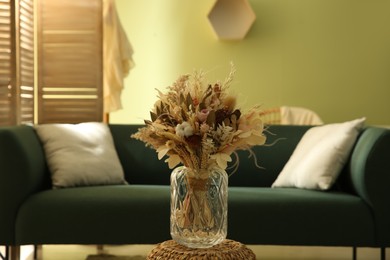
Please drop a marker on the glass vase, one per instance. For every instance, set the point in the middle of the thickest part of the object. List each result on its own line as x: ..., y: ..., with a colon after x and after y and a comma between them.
x: 199, y: 207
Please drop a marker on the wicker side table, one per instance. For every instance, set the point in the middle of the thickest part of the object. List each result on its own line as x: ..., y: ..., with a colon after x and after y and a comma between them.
x: 227, y: 250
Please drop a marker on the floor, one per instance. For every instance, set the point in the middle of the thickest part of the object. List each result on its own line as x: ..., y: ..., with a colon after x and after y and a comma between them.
x: 80, y: 252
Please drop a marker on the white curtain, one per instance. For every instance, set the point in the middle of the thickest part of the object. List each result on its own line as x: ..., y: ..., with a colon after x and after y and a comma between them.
x: 117, y: 57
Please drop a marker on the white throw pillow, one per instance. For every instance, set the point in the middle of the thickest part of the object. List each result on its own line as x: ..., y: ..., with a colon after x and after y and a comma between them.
x: 80, y: 154
x: 320, y: 156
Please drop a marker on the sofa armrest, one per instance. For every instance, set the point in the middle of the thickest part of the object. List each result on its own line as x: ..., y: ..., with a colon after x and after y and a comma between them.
x: 23, y: 172
x: 370, y: 177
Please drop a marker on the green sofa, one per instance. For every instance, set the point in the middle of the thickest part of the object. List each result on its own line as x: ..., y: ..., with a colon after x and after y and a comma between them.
x: 354, y: 213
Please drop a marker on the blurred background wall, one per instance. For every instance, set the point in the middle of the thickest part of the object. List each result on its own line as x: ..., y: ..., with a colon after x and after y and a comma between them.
x: 330, y: 56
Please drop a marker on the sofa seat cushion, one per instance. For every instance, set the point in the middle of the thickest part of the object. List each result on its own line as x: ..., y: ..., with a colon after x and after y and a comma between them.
x: 96, y: 215
x: 289, y: 216
x: 113, y: 214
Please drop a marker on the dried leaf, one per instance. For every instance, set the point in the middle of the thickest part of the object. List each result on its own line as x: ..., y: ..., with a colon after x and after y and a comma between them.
x: 233, y: 120
x: 189, y: 101
x: 237, y: 113
x: 181, y: 98
x: 222, y: 159
x: 162, y: 108
x: 208, y: 92
x: 158, y: 111
x: 211, y: 118
x: 153, y: 116
x: 183, y: 115
x: 202, y: 106
x: 162, y: 151
x: 173, y: 160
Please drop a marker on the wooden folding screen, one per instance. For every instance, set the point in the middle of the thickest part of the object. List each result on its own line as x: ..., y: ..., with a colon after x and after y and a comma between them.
x: 69, y: 79
x: 69, y: 61
x: 16, y: 62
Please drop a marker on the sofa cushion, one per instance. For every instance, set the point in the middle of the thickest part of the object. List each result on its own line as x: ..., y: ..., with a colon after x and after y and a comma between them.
x: 140, y: 164
x: 80, y: 154
x: 293, y: 216
x: 128, y: 214
x: 320, y: 156
x: 111, y: 214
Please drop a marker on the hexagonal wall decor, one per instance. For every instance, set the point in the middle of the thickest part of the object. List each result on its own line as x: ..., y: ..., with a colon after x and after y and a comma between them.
x: 231, y: 19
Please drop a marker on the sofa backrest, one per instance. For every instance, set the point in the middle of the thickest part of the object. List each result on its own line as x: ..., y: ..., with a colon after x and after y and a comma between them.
x: 142, y: 166
x: 140, y: 163
x: 271, y: 157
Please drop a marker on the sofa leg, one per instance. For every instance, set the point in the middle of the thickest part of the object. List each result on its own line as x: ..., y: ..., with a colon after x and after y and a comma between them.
x: 354, y: 253
x: 101, y: 250
x: 383, y: 253
x: 37, y: 252
x: 14, y: 253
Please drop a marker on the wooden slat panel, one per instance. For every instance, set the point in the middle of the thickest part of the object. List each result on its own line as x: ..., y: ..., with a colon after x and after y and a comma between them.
x: 85, y: 14
x: 26, y: 62
x: 70, y: 110
x: 16, y: 62
x: 70, y: 61
x: 5, y: 47
x: 27, y: 110
x: 7, y: 74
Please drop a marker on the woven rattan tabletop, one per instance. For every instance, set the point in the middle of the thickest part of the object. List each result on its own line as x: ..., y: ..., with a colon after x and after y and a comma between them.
x: 227, y: 250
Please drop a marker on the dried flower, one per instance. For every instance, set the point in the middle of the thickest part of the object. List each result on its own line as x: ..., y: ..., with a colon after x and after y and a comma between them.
x: 203, y: 114
x: 184, y: 129
x: 198, y: 125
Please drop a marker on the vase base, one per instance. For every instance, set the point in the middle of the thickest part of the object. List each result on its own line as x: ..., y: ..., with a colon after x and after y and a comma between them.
x: 199, y: 242
x: 228, y: 249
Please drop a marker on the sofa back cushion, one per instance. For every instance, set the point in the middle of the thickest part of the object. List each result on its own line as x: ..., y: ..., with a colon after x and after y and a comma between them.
x: 80, y: 154
x: 320, y: 156
x: 281, y: 142
x: 141, y: 165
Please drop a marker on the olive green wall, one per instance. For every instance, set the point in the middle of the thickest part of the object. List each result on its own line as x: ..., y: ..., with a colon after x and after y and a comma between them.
x: 327, y: 55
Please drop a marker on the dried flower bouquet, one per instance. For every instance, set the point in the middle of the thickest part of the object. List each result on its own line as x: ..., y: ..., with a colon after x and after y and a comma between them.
x: 198, y: 125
